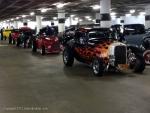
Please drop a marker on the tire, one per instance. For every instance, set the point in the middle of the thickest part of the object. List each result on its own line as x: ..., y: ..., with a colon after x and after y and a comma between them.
x: 98, y: 67
x: 42, y: 51
x: 146, y: 55
x: 139, y: 64
x: 68, y: 57
x: 34, y: 48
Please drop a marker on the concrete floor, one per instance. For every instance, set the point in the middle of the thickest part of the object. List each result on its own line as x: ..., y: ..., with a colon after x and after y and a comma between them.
x: 31, y: 83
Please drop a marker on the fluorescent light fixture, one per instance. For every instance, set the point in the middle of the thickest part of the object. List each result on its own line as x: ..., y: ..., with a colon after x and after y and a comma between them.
x: 43, y: 10
x: 80, y: 20
x: 142, y: 13
x: 87, y: 17
x: 76, y: 18
x: 60, y: 5
x: 7, y: 20
x: 112, y: 13
x: 132, y: 11
x: 55, y: 18
x: 23, y: 16
x: 17, y: 18
x: 72, y: 15
x: 127, y: 15
x: 32, y: 13
x: 95, y: 7
x: 93, y: 20
x: 28, y: 20
x: 12, y: 19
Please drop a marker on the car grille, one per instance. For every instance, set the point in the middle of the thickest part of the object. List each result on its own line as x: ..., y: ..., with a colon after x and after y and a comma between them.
x: 120, y: 55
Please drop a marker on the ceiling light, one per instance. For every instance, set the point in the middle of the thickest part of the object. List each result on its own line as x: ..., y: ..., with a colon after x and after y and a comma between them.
x: 17, y: 18
x: 72, y: 15
x: 23, y: 16
x: 80, y: 20
x: 132, y: 11
x: 43, y: 10
x: 55, y: 18
x: 28, y: 20
x: 112, y: 13
x: 32, y: 13
x: 7, y: 20
x: 96, y: 7
x: 87, y: 17
x: 127, y: 15
x: 76, y: 18
x: 93, y: 20
x: 60, y: 5
x: 142, y: 13
x: 12, y: 19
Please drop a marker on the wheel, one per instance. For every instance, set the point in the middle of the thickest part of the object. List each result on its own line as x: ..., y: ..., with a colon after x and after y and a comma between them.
x: 98, y: 67
x: 34, y: 47
x: 42, y: 50
x: 68, y: 57
x: 147, y: 57
x: 137, y: 64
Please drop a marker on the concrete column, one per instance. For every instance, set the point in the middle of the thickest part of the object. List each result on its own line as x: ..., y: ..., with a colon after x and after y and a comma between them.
x: 16, y: 24
x: 61, y: 21
x: 98, y: 18
x: 147, y: 17
x: 38, y: 23
x: 105, y: 13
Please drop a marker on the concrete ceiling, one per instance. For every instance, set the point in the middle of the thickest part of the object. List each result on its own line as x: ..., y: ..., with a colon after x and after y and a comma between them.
x: 13, y: 8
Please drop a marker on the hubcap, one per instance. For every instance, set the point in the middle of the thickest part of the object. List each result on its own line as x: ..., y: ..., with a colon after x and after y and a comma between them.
x: 131, y: 58
x: 65, y: 57
x: 96, y: 66
x: 147, y: 57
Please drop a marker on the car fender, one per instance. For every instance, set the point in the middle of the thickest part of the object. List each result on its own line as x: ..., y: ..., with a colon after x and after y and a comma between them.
x: 135, y: 49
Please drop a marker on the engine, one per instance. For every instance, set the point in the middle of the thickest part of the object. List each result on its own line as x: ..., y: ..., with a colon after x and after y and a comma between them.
x: 117, y: 54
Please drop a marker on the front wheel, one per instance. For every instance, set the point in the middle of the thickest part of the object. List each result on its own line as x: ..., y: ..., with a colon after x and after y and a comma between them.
x: 98, y: 67
x: 147, y: 57
x: 137, y: 64
x: 68, y: 57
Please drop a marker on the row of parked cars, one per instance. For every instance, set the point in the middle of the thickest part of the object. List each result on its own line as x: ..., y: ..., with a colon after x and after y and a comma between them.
x: 103, y: 49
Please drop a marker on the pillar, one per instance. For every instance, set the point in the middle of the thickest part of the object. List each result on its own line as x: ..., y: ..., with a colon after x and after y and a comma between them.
x: 105, y: 13
x: 147, y: 17
x: 98, y: 17
x: 16, y: 24
x: 38, y: 23
x: 61, y: 21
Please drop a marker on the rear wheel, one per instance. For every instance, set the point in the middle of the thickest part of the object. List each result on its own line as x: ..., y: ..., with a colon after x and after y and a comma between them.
x: 68, y: 57
x: 147, y: 57
x: 98, y: 67
x: 137, y: 64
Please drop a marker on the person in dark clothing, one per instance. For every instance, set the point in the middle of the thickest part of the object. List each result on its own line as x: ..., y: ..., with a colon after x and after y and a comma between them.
x: 2, y: 33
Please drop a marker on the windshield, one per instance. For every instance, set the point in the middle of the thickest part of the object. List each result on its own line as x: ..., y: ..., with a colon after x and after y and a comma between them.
x: 134, y: 29
x: 96, y: 36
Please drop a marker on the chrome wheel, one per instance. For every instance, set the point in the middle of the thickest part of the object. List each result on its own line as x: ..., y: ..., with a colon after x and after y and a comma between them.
x: 96, y: 66
x: 147, y: 56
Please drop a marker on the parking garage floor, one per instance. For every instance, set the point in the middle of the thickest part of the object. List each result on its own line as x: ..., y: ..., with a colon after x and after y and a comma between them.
x: 31, y: 83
